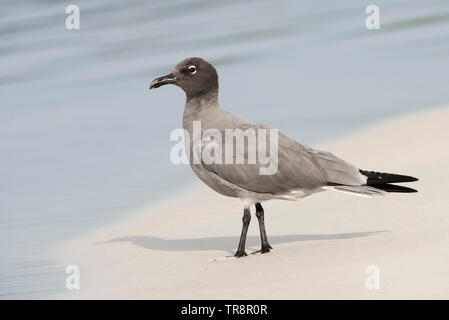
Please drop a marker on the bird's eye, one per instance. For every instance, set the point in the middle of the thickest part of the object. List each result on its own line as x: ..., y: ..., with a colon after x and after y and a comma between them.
x: 191, y: 69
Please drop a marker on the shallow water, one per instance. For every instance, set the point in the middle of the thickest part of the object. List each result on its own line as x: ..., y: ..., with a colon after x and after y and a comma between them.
x: 83, y: 141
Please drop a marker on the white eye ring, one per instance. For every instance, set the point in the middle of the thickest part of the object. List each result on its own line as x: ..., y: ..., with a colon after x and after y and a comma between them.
x: 191, y: 69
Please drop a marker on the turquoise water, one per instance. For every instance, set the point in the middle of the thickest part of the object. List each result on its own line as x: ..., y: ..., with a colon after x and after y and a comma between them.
x: 83, y: 142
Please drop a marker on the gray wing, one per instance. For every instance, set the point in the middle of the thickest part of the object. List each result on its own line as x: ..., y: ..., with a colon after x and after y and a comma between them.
x: 298, y: 167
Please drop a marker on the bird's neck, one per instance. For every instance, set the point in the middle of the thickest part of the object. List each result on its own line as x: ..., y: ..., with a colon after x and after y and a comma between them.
x: 202, y: 101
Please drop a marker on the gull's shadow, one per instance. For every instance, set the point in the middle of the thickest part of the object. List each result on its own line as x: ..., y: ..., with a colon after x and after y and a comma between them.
x: 227, y: 243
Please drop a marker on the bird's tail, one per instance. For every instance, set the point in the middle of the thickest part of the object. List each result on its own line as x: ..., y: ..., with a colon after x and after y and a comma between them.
x: 384, y: 181
x: 377, y: 183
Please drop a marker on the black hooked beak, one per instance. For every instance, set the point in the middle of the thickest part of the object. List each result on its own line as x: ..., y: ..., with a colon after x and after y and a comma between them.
x: 168, y: 79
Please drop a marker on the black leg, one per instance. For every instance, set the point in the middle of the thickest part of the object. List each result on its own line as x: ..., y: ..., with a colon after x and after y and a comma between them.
x: 263, y: 234
x: 246, y: 219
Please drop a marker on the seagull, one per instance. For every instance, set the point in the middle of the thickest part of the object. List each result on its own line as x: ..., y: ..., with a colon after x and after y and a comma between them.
x: 300, y: 170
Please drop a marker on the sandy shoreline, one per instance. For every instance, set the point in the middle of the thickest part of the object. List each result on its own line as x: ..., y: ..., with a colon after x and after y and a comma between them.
x: 322, y: 244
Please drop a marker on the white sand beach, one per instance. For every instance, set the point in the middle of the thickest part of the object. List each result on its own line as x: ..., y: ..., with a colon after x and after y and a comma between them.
x: 322, y: 244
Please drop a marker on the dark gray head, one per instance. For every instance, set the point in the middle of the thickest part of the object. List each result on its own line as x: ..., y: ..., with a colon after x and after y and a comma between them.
x: 195, y: 76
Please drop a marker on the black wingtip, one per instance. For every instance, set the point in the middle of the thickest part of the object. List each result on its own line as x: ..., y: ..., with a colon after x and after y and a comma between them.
x: 410, y: 179
x: 380, y: 178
